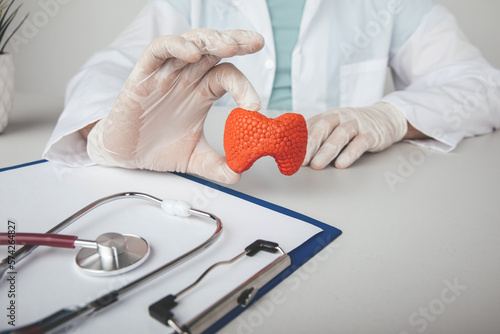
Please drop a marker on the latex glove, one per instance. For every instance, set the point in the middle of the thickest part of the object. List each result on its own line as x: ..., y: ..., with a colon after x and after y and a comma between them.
x: 156, y: 122
x: 347, y: 133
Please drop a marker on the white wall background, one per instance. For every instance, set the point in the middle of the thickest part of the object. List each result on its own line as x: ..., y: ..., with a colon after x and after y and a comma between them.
x: 64, y: 33
x: 60, y: 36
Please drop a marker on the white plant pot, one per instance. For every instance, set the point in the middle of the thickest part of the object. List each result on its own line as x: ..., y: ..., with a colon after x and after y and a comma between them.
x: 6, y: 88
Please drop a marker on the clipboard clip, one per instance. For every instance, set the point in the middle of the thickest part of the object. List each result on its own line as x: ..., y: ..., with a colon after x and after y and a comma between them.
x: 240, y: 296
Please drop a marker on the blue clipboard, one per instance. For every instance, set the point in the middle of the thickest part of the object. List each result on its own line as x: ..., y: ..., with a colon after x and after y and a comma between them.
x: 299, y: 256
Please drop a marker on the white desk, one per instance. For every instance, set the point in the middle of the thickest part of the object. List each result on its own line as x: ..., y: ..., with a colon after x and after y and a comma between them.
x: 421, y: 256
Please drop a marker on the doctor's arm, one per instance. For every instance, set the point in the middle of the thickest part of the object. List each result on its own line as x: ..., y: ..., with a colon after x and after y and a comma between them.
x: 91, y: 92
x: 413, y: 133
x: 446, y: 91
x: 157, y: 120
x: 344, y: 134
x: 444, y: 86
x: 140, y: 105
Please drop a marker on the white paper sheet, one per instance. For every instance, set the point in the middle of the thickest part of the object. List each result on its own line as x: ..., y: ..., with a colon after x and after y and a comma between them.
x: 38, y: 197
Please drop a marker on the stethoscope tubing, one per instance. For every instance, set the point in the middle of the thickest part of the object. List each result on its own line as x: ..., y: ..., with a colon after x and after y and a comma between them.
x: 74, y: 314
x: 39, y: 239
x: 181, y: 259
x: 26, y: 250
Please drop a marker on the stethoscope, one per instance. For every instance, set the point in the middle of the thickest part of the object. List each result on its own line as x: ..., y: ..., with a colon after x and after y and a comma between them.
x: 110, y: 253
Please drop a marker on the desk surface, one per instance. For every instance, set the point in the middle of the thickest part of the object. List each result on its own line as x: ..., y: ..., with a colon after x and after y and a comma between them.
x: 419, y: 250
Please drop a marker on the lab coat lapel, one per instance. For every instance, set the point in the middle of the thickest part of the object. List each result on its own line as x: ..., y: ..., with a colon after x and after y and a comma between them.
x: 311, y: 7
x: 258, y: 14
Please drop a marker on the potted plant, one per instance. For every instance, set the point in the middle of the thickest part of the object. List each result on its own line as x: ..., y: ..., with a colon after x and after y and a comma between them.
x: 6, y: 62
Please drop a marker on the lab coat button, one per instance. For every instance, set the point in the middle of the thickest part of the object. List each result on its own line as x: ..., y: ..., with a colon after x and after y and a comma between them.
x: 269, y: 64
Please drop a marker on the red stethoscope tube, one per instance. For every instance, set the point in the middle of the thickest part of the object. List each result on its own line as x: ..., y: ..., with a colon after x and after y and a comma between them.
x: 38, y: 239
x: 66, y: 318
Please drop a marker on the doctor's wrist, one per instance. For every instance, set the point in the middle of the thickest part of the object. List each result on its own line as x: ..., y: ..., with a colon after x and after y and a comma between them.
x: 413, y: 133
x: 84, y: 132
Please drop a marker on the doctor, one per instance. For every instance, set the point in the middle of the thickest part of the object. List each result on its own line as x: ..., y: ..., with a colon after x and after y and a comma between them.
x: 142, y: 102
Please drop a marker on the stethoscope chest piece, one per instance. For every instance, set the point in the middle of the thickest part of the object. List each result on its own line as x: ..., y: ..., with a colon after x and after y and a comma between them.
x: 113, y: 254
x: 110, y: 254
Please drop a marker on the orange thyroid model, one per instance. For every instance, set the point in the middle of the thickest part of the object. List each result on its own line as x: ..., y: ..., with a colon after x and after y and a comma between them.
x: 249, y: 135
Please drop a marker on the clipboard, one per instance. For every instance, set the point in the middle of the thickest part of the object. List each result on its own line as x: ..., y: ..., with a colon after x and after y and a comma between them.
x: 297, y: 256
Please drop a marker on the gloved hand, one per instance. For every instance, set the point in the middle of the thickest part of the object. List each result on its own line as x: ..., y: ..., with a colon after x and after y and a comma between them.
x: 157, y: 120
x: 353, y: 130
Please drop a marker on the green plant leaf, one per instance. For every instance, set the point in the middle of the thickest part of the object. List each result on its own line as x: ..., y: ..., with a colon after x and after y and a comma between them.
x: 2, y: 8
x: 12, y: 34
x: 2, y: 19
x: 5, y: 22
x: 3, y: 29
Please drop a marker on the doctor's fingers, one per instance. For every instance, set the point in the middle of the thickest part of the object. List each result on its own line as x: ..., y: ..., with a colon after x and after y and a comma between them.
x: 226, y: 77
x: 164, y: 48
x: 248, y: 41
x: 208, y: 163
x: 359, y: 145
x: 226, y: 43
x: 189, y: 48
x: 319, y: 129
x: 334, y: 144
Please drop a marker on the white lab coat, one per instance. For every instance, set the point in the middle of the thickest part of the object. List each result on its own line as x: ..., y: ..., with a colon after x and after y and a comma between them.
x: 444, y: 86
